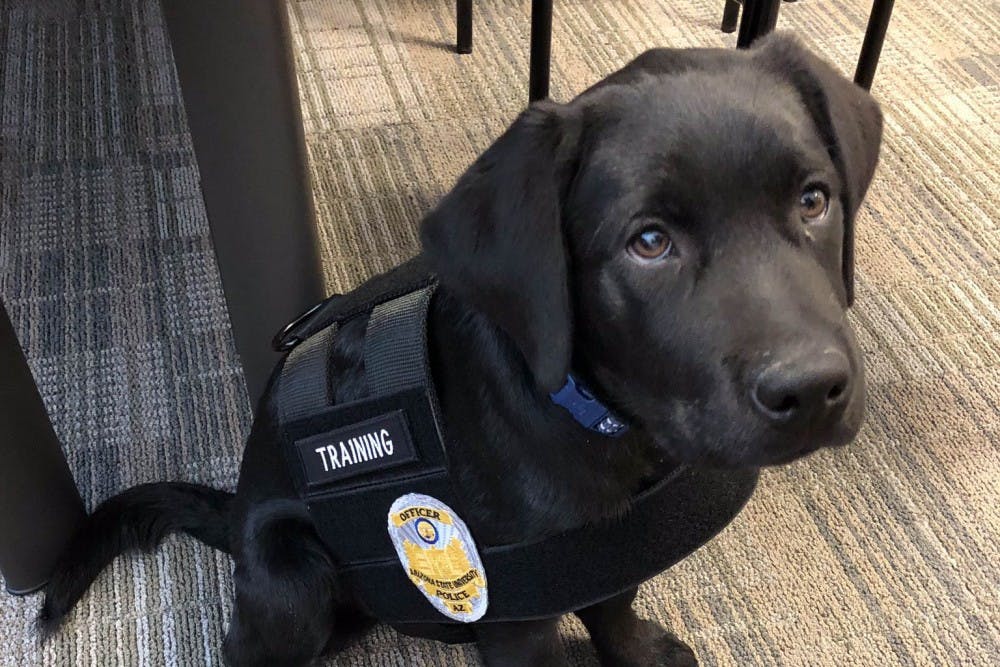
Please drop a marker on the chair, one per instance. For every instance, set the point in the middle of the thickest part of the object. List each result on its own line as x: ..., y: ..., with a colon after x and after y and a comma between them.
x: 540, y: 48
x: 759, y: 18
x: 766, y: 12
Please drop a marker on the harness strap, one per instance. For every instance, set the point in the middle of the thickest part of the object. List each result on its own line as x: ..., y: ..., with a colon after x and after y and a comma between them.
x: 578, y: 568
x: 304, y: 386
x: 396, y: 344
x: 405, y: 278
x: 536, y: 580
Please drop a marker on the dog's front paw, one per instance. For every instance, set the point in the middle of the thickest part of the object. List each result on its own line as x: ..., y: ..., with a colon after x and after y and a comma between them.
x: 647, y: 645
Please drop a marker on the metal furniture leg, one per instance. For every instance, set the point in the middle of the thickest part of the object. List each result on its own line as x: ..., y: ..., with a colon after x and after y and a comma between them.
x: 730, y: 16
x: 541, y: 49
x: 759, y: 18
x: 40, y: 507
x: 237, y: 75
x: 463, y: 20
x: 871, y: 49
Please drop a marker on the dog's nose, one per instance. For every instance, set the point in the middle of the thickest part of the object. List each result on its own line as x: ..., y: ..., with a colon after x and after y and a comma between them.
x: 806, y: 390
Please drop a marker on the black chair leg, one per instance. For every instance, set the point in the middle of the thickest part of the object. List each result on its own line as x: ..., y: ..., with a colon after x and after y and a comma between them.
x: 871, y: 49
x: 237, y: 75
x: 463, y: 14
x: 541, y: 49
x: 730, y: 16
x: 40, y: 507
x: 759, y: 18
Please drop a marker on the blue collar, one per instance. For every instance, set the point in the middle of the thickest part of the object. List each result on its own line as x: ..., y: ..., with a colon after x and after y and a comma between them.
x: 589, y: 412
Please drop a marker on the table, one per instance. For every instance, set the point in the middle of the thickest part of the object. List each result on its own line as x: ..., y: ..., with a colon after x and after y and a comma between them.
x: 237, y: 76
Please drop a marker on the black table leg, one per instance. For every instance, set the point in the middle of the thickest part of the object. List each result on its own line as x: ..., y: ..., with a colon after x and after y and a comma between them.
x: 871, y: 49
x: 237, y: 75
x: 463, y: 20
x: 759, y: 18
x: 730, y: 16
x: 40, y: 507
x: 541, y: 49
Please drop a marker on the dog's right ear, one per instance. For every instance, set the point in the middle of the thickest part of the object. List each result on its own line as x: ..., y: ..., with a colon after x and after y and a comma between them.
x: 496, y: 240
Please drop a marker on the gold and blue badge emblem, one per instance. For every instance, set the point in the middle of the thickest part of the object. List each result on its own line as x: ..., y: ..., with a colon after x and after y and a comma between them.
x: 439, y: 556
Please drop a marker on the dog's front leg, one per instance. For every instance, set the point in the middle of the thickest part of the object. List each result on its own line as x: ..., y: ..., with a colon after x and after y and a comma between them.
x: 521, y: 644
x: 622, y: 639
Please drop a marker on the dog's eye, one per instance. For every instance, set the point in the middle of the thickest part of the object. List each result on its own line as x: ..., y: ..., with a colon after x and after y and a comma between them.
x: 813, y: 204
x: 650, y: 243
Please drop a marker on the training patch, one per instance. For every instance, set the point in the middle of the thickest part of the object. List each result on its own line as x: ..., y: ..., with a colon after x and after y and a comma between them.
x: 375, y: 444
x: 439, y: 556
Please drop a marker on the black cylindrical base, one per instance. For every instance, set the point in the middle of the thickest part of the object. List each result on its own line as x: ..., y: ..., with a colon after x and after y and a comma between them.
x: 40, y: 507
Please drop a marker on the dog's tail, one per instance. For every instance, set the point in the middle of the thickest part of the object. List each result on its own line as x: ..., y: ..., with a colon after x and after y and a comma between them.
x: 138, y: 518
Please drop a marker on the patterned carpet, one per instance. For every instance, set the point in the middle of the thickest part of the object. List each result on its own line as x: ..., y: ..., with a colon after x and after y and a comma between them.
x: 884, y: 554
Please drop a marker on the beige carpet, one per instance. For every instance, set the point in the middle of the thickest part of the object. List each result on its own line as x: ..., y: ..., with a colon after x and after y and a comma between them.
x: 884, y: 554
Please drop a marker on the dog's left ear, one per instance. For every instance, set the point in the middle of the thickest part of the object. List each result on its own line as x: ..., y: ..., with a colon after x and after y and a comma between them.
x: 847, y: 117
x: 496, y: 240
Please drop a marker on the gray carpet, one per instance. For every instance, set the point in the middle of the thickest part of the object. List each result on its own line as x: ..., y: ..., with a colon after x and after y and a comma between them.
x: 886, y: 553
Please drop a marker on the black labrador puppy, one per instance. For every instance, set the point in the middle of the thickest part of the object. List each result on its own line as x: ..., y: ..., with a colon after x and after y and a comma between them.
x: 675, y: 236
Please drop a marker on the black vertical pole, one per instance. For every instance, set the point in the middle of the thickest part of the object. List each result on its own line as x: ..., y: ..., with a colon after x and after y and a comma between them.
x: 759, y: 18
x: 463, y: 21
x: 871, y: 49
x: 730, y: 15
x: 541, y: 49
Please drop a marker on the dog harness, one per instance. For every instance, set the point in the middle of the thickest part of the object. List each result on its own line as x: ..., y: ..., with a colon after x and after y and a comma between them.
x: 374, y: 475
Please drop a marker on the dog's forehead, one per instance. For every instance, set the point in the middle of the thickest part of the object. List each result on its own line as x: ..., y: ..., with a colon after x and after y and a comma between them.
x: 701, y: 112
x: 696, y: 134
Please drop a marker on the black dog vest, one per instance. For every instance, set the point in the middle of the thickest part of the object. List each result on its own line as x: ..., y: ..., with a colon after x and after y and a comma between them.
x: 351, y: 462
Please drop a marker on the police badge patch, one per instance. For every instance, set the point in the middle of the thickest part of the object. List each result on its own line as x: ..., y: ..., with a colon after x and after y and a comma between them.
x: 439, y: 556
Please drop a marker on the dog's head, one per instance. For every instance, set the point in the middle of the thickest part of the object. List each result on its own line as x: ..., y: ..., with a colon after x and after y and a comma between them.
x: 680, y: 235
